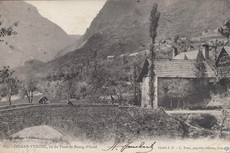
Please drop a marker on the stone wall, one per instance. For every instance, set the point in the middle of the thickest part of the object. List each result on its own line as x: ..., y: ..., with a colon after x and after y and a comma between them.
x: 92, y: 122
x: 177, y: 93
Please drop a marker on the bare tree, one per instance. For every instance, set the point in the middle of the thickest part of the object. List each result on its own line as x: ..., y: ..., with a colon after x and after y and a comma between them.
x: 154, y: 19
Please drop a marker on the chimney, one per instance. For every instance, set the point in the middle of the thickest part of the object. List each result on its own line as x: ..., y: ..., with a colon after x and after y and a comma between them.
x: 174, y: 52
x: 205, y: 51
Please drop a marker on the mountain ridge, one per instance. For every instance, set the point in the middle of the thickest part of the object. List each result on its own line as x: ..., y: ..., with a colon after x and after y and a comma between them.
x: 37, y: 37
x: 126, y: 30
x: 183, y: 17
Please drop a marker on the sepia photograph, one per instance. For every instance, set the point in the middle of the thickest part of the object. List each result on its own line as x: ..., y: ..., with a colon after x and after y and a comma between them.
x: 114, y: 76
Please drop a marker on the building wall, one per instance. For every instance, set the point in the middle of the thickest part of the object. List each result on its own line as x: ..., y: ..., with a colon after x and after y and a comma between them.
x: 145, y: 99
x: 145, y: 93
x: 182, y: 93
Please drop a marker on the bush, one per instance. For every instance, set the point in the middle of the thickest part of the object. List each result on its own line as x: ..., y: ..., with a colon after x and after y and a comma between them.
x: 204, y: 107
x: 206, y: 121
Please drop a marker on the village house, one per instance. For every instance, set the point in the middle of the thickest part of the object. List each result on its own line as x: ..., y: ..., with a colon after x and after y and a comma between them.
x: 221, y: 56
x: 176, y: 82
x: 191, y: 55
x: 172, y: 79
x: 220, y: 61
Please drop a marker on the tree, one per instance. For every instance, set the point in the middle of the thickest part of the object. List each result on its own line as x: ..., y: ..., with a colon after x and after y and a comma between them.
x: 154, y: 19
x: 7, y: 30
x: 176, y: 38
x: 116, y: 84
x: 10, y: 82
x: 68, y: 87
x: 135, y: 87
x: 134, y: 82
x: 28, y: 86
x: 98, y: 79
x: 177, y: 89
x: 51, y: 88
x: 225, y: 30
x: 201, y: 70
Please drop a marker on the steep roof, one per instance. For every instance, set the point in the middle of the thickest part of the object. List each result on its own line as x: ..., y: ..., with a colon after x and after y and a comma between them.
x: 212, y: 52
x: 174, y: 69
x: 179, y: 68
x: 218, y: 51
x: 227, y: 49
x: 191, y: 55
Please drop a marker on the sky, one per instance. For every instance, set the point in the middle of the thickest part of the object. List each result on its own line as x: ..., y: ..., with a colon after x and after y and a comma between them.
x: 73, y: 16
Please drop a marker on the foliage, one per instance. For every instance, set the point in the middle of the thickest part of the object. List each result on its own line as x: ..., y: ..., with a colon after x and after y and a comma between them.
x: 177, y: 89
x: 154, y: 18
x: 95, y: 81
x: 135, y: 87
x: 203, y: 120
x: 180, y: 45
x: 117, y: 84
x: 225, y: 30
x: 50, y: 88
x: 7, y: 31
x: 28, y: 87
x: 176, y: 38
x: 201, y: 70
x: 8, y: 81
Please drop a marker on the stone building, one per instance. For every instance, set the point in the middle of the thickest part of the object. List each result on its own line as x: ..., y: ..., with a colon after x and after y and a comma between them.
x: 172, y: 72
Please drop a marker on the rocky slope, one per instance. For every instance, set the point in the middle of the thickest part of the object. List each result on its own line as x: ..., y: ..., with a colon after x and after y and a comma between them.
x: 122, y: 26
x: 37, y: 37
x: 69, y: 48
x: 126, y: 28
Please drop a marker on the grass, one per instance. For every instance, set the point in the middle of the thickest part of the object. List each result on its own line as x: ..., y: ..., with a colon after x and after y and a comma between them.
x: 21, y: 102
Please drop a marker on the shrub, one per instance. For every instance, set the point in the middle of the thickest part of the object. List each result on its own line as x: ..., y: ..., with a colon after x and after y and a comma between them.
x: 203, y: 120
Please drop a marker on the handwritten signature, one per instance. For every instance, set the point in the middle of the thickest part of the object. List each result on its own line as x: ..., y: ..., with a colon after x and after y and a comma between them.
x: 128, y: 145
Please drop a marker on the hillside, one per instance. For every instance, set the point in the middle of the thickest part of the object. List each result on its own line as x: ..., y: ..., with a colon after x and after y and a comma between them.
x: 37, y: 37
x: 126, y: 29
x: 69, y: 48
x: 75, y: 37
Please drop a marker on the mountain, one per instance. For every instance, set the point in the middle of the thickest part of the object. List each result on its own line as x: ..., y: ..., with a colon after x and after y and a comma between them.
x: 37, y: 37
x: 69, y: 48
x: 75, y: 37
x: 122, y: 26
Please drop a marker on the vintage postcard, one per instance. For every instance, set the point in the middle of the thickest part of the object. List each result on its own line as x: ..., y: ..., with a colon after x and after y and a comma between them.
x: 114, y: 76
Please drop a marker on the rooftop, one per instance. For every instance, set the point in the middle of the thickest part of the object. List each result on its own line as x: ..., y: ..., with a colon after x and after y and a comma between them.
x: 191, y: 55
x: 175, y: 69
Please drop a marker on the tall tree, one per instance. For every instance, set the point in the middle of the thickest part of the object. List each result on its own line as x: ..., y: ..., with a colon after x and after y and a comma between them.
x: 10, y: 82
x: 134, y: 82
x: 201, y: 70
x: 154, y: 19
